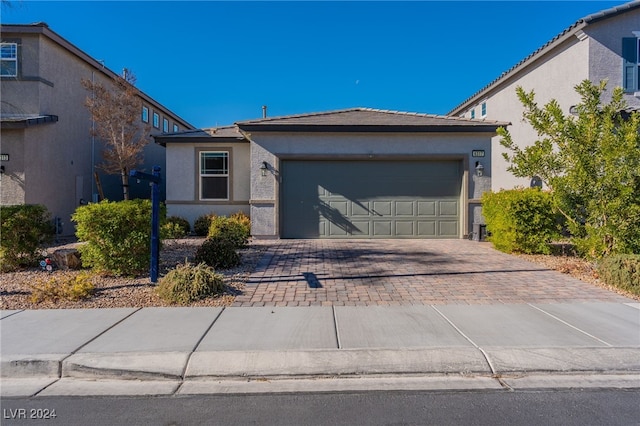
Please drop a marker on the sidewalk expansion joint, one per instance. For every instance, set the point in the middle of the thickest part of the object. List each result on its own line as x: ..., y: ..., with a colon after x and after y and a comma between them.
x: 61, y: 362
x: 195, y: 347
x: 571, y: 325
x: 335, y: 326
x: 484, y: 354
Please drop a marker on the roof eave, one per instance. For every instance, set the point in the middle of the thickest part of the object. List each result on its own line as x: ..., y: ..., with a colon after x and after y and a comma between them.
x: 479, y: 128
x: 504, y: 77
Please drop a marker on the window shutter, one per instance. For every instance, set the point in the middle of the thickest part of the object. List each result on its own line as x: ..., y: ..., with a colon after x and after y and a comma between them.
x: 630, y: 64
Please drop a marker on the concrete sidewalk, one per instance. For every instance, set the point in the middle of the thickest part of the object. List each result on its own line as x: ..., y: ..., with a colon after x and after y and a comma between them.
x: 193, y: 350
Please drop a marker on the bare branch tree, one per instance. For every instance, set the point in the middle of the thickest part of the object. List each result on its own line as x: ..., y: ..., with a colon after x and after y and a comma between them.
x: 115, y: 109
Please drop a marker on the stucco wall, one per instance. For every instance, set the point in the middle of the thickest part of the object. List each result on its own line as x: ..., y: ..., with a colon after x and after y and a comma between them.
x: 182, y: 180
x: 595, y: 56
x: 605, y: 51
x: 55, y: 161
x: 273, y: 147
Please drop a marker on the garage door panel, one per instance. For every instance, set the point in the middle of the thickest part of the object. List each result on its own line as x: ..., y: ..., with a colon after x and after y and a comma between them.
x: 404, y: 208
x: 382, y: 208
x: 448, y: 228
x: 370, y: 199
x: 335, y: 230
x: 362, y: 228
x: 404, y: 229
x: 427, y: 228
x: 360, y: 209
x: 448, y: 208
x: 339, y: 207
x: 382, y: 229
x: 426, y: 208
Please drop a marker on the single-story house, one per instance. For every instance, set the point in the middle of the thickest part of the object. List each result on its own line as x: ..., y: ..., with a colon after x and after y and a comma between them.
x: 353, y: 173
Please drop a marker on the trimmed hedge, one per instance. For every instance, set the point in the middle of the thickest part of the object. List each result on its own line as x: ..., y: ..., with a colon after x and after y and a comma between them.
x: 24, y: 229
x: 521, y: 220
x: 621, y: 271
x: 118, y: 236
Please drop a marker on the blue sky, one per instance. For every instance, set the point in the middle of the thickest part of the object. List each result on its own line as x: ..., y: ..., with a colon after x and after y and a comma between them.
x: 214, y: 63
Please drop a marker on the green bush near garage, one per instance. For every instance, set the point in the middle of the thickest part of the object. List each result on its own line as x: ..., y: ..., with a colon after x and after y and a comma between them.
x: 235, y: 229
x: 218, y: 252
x: 175, y: 227
x: 24, y: 229
x: 621, y: 271
x: 521, y: 220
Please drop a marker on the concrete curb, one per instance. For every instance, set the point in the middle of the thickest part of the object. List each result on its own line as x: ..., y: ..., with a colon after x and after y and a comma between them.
x: 336, y: 362
x: 322, y: 362
x: 126, y: 365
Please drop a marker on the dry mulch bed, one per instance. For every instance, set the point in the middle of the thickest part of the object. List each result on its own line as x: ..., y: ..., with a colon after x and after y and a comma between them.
x: 123, y: 292
x: 119, y: 292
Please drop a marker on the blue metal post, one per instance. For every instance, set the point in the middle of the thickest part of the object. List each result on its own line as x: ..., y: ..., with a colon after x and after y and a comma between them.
x: 155, y: 225
x: 155, y: 180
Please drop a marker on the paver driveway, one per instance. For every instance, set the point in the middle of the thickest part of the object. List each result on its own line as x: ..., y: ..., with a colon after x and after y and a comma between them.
x: 401, y: 272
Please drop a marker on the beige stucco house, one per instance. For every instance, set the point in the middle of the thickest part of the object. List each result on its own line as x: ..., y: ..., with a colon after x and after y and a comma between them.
x: 47, y: 153
x: 604, y: 45
x: 355, y: 173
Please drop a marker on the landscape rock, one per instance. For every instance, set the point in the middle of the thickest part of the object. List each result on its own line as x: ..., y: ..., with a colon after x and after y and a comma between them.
x: 67, y: 258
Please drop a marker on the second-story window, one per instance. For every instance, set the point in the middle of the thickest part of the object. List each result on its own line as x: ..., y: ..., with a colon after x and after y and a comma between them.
x: 631, y: 64
x: 176, y: 129
x: 8, y: 59
x: 156, y: 120
x: 145, y: 114
x: 484, y: 109
x: 165, y: 125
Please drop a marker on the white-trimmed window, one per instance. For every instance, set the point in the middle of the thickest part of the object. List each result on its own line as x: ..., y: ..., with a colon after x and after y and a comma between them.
x: 145, y: 114
x: 176, y: 129
x: 473, y: 113
x: 156, y: 120
x: 631, y: 63
x: 9, y: 59
x: 214, y: 175
x: 165, y: 125
x: 484, y: 109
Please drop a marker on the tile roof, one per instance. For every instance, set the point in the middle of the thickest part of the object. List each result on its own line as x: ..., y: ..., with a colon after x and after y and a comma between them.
x: 368, y: 119
x: 212, y: 134
x: 569, y: 32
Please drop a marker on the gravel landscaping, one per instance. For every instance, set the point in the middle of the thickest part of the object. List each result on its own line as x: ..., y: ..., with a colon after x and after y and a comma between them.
x: 117, y: 292
x: 121, y: 292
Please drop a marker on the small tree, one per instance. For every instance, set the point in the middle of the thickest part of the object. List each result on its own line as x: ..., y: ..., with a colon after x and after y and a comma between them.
x: 115, y: 109
x: 590, y: 162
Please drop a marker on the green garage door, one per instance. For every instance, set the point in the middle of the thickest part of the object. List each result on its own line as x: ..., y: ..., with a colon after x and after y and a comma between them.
x: 370, y: 199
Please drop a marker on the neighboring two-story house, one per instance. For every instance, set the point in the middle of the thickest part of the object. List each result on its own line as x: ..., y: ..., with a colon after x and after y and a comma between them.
x: 604, y: 45
x: 47, y: 153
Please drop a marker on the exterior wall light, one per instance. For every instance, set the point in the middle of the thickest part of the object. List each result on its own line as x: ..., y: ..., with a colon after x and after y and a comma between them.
x: 263, y: 168
x: 479, y: 169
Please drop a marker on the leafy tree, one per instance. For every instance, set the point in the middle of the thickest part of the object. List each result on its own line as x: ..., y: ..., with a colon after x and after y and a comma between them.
x: 591, y: 164
x: 115, y: 109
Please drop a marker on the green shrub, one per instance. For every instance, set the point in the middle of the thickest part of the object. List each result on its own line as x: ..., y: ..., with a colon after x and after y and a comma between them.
x: 621, y: 271
x: 23, y: 229
x: 520, y: 220
x: 118, y: 236
x: 175, y: 227
x: 187, y: 283
x: 202, y: 224
x: 218, y: 253
x: 64, y: 285
x: 231, y: 229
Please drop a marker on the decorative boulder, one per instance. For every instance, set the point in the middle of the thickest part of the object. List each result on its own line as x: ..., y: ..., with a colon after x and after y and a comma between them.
x: 68, y: 258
